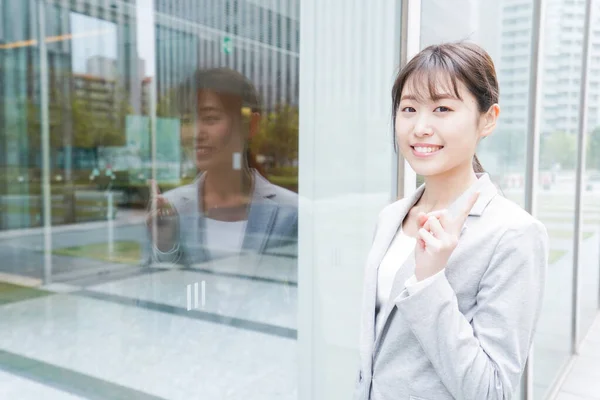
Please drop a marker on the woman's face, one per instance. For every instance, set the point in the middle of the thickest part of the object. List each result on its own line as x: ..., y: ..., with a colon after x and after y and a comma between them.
x: 218, y: 139
x: 440, y: 135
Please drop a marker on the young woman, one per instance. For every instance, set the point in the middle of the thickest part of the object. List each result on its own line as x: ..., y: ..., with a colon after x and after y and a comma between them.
x: 455, y: 276
x: 231, y: 207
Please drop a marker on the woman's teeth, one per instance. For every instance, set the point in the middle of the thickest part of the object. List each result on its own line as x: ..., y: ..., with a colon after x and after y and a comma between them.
x: 427, y: 149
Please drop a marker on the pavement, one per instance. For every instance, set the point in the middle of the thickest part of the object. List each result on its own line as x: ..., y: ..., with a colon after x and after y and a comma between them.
x: 582, y: 382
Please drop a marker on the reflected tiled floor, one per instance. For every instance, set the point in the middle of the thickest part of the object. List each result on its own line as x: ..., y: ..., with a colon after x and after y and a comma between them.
x: 15, y: 387
x: 229, y: 296
x: 126, y: 349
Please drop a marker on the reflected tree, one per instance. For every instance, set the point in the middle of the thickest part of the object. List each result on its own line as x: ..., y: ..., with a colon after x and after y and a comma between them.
x: 558, y: 147
x: 277, y: 139
x: 77, y: 120
x: 593, y: 149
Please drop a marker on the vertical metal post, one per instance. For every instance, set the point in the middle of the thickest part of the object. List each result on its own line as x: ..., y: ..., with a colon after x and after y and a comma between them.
x: 533, y: 143
x: 110, y: 223
x: 398, y: 174
x: 581, y: 147
x: 410, y: 45
x: 152, y: 99
x: 45, y: 136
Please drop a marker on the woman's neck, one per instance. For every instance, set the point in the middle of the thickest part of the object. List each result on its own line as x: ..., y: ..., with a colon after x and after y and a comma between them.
x: 442, y: 190
x: 227, y: 187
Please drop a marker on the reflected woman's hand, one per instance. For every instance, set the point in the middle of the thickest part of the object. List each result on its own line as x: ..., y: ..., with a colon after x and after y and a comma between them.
x: 161, y: 212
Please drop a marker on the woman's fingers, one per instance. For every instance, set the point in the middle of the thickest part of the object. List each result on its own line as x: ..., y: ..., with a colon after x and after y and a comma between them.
x: 421, y: 219
x: 442, y: 216
x: 430, y: 241
x: 436, y: 228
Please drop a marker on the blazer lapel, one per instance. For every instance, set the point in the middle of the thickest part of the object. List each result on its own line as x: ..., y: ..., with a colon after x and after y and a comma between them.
x: 261, y: 216
x: 192, y: 224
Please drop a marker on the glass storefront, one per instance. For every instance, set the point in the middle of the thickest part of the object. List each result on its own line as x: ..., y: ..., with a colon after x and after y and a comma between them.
x: 188, y: 188
x: 149, y: 198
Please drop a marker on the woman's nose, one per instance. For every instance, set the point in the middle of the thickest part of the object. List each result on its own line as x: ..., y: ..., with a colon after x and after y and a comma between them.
x: 201, y: 134
x: 423, y: 128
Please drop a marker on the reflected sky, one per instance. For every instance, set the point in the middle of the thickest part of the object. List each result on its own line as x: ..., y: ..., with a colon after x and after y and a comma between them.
x: 98, y: 45
x: 106, y: 44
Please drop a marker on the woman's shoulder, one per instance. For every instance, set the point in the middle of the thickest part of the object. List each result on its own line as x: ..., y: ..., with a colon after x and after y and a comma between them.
x: 507, y: 216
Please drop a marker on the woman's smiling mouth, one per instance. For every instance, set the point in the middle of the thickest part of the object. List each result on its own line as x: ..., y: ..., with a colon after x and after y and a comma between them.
x: 426, y: 150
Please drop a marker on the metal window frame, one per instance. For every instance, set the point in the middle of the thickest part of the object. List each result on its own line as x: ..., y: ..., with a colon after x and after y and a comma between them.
x: 45, y: 139
x: 410, y: 43
x: 533, y: 148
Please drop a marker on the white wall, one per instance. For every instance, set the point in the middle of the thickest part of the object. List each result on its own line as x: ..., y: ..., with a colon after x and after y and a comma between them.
x: 349, y: 52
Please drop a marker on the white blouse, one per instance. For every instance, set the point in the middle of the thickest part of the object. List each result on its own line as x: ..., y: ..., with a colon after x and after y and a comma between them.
x: 225, y: 237
x: 400, y: 249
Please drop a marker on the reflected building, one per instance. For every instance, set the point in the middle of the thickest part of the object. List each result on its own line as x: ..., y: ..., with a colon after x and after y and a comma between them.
x: 258, y: 38
x: 561, y: 65
x: 102, y: 66
x: 75, y: 72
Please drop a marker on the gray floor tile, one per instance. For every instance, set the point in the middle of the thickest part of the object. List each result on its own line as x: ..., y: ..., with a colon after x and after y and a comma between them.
x: 587, y: 365
x: 582, y: 385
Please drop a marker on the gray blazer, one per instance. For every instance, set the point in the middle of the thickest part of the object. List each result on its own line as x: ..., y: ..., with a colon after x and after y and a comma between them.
x: 467, y: 335
x: 272, y: 221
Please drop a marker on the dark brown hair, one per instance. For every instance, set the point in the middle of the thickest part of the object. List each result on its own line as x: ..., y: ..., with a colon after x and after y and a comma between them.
x: 462, y: 61
x: 236, y: 92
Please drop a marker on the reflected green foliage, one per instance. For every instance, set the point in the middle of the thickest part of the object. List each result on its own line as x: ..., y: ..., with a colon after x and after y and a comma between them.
x: 127, y: 252
x: 509, y: 148
x: 277, y: 139
x: 78, y: 121
x: 593, y: 147
x: 568, y: 234
x: 558, y: 147
x: 10, y: 293
x: 555, y: 255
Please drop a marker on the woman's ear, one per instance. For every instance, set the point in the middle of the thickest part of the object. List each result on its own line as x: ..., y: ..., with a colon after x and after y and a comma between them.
x: 254, y: 124
x: 490, y: 119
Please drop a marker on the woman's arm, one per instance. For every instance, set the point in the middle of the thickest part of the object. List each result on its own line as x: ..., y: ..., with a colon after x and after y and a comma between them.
x: 484, y: 358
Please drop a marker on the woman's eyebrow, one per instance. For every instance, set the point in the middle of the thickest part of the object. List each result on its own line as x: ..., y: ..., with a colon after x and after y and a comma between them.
x: 207, y: 109
x: 437, y: 97
x: 444, y: 96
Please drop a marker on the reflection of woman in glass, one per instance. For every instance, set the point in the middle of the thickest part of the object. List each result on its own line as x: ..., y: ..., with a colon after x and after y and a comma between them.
x: 455, y: 277
x: 230, y: 207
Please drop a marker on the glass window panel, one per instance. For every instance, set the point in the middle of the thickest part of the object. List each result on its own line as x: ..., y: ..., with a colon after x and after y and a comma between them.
x: 556, y: 187
x: 129, y: 83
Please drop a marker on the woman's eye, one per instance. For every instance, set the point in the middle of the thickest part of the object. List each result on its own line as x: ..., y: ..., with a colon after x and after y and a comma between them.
x: 442, y: 109
x: 210, y: 119
x: 408, y: 109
